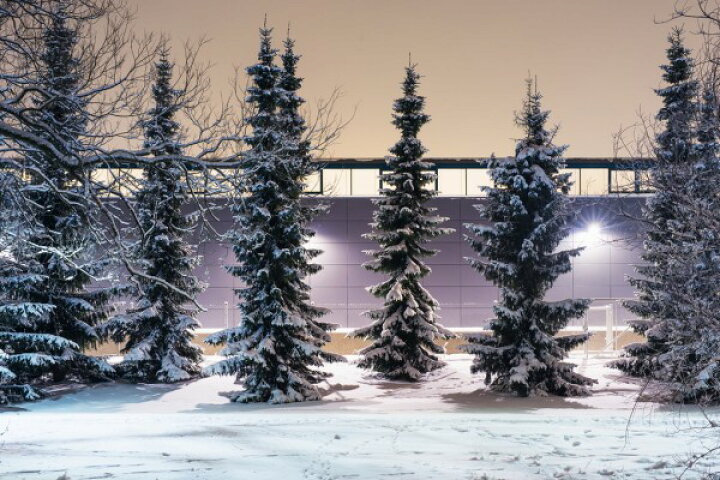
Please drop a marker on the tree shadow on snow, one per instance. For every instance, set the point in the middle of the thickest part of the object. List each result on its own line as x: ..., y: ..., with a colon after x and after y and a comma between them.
x: 337, y: 389
x: 233, y: 407
x: 395, y: 389
x: 105, y: 397
x: 483, y: 399
x: 12, y: 409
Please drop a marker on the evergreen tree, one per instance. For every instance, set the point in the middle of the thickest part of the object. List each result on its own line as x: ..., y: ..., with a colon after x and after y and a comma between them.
x: 278, y: 344
x: 292, y: 123
x: 405, y: 330
x: 527, y: 209
x: 663, y: 275
x: 688, y: 358
x: 693, y: 362
x: 158, y: 330
x: 48, y: 314
x: 12, y: 276
x: 296, y: 149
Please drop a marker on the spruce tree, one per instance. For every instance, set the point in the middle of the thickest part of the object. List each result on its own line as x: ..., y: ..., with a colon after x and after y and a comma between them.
x: 528, y: 213
x: 48, y: 314
x: 693, y: 358
x: 158, y: 329
x: 297, y: 149
x: 663, y: 275
x: 688, y: 361
x: 276, y: 349
x: 405, y: 329
x: 292, y: 123
x: 15, y: 387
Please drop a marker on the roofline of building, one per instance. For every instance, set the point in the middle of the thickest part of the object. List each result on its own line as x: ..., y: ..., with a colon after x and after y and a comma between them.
x: 465, y: 162
x: 619, y: 163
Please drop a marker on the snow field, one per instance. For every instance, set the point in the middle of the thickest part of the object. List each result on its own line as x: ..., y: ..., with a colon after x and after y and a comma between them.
x: 446, y: 428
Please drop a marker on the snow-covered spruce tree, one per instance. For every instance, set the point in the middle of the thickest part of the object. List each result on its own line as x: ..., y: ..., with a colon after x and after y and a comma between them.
x: 292, y: 123
x: 405, y: 329
x: 663, y: 276
x: 694, y: 353
x: 158, y: 330
x: 296, y: 149
x: 48, y: 314
x: 276, y: 348
x: 528, y: 212
x: 12, y: 275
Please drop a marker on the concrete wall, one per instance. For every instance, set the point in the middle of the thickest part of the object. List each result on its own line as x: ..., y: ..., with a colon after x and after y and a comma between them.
x: 466, y: 298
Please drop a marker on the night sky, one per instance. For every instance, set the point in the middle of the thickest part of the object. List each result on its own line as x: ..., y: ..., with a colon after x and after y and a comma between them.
x: 596, y: 62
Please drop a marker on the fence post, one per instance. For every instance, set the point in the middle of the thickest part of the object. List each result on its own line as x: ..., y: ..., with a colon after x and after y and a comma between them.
x: 586, y: 328
x: 610, y: 327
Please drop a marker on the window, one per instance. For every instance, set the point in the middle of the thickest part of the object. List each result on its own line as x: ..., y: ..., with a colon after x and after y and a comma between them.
x: 574, y: 179
x: 197, y: 182
x: 431, y: 185
x: 451, y: 182
x: 630, y: 181
x: 623, y: 181
x: 364, y: 182
x: 594, y: 181
x: 336, y: 182
x: 477, y: 178
x: 117, y: 181
x: 314, y: 183
x: 468, y: 182
x: 103, y: 179
x: 645, y: 183
x: 222, y: 182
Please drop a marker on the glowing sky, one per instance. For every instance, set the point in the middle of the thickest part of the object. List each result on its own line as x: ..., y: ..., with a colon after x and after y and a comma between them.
x: 596, y: 62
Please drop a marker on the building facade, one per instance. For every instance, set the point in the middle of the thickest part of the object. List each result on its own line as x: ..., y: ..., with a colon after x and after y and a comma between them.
x: 607, y: 197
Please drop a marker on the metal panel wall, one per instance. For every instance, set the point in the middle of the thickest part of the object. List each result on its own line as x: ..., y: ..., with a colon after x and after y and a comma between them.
x: 465, y: 297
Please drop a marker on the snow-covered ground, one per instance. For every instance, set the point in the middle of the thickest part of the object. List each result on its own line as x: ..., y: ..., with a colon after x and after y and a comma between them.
x: 446, y: 428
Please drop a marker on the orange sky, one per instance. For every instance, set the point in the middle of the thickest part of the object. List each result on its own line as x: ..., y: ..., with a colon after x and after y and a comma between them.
x: 596, y: 62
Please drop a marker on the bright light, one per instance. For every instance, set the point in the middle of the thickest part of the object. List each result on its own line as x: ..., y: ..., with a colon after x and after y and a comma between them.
x: 590, y: 235
x: 593, y: 229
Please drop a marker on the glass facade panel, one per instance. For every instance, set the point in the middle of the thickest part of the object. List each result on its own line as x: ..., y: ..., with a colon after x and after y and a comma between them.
x: 593, y: 181
x: 365, y: 182
x: 128, y: 180
x: 198, y: 182
x: 476, y: 178
x: 336, y: 182
x: 103, y: 178
x: 116, y: 182
x: 314, y: 183
x: 222, y: 183
x: 451, y: 182
x: 433, y: 185
x: 574, y: 178
x: 645, y: 181
x: 622, y: 181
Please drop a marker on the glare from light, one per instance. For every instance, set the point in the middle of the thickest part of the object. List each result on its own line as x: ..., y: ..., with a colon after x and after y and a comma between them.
x: 590, y: 236
x: 593, y: 230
